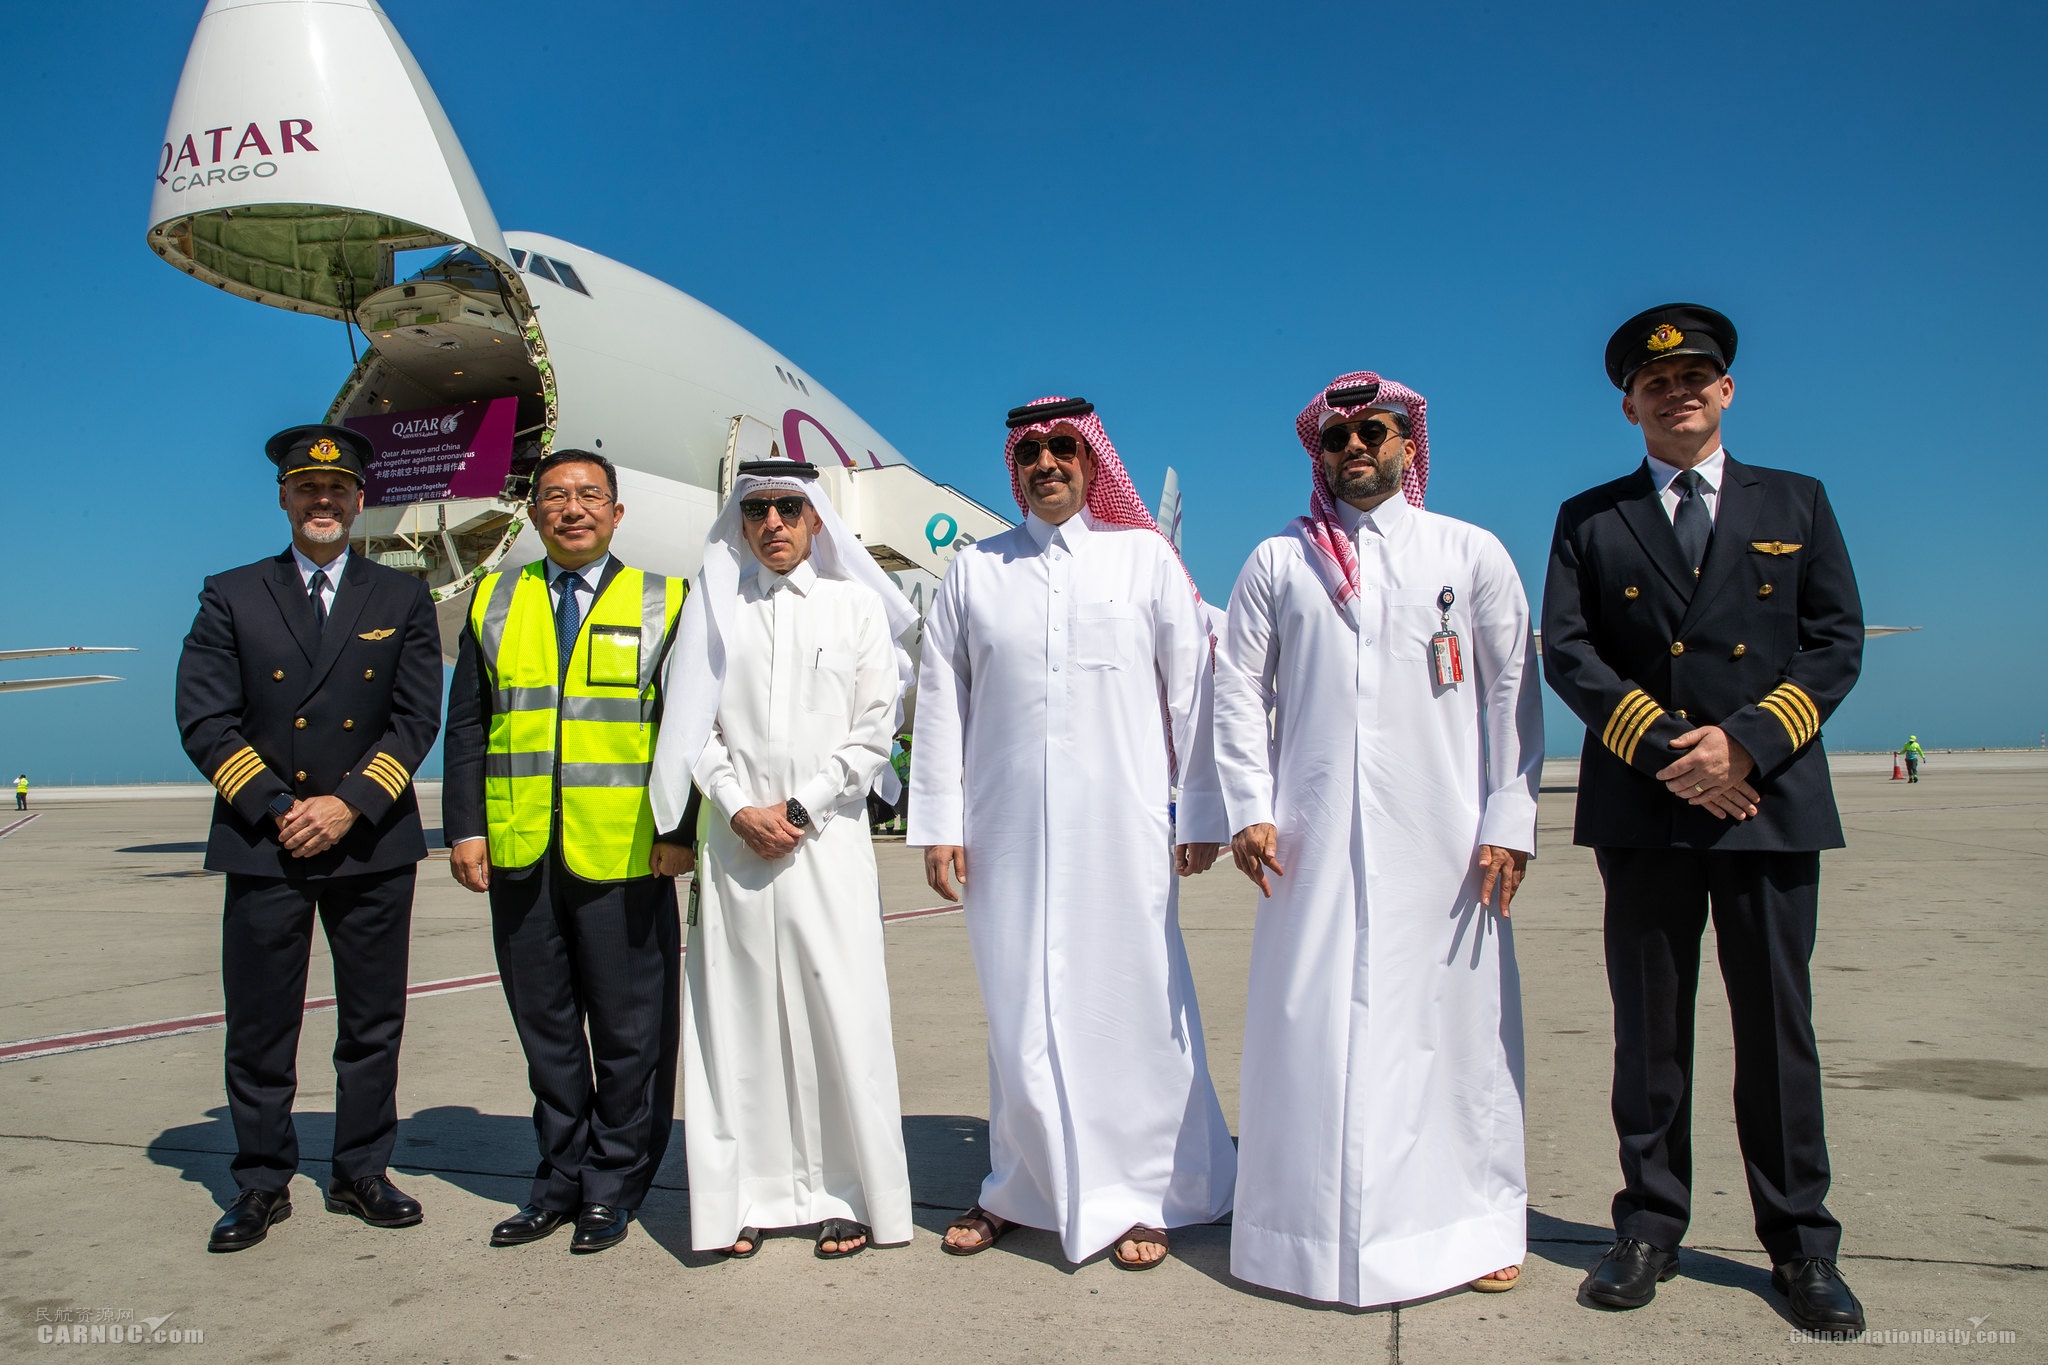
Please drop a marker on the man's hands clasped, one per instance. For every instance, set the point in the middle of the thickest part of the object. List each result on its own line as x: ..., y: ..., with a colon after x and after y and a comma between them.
x: 767, y: 832
x: 1712, y: 772
x: 314, y: 825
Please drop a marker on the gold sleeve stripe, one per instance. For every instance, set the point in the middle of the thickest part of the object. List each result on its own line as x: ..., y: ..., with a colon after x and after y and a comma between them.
x: 1777, y: 708
x: 1637, y: 729
x: 1616, y: 722
x: 1633, y: 708
x: 1801, y: 703
x: 387, y: 773
x: 234, y: 774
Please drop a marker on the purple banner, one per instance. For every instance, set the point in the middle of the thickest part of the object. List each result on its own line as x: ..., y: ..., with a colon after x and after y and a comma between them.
x: 428, y: 454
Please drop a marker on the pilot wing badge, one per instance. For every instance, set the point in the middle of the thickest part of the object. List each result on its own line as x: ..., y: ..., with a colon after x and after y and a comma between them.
x: 378, y: 634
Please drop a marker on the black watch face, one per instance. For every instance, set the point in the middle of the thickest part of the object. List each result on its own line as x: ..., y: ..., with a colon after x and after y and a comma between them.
x: 281, y: 804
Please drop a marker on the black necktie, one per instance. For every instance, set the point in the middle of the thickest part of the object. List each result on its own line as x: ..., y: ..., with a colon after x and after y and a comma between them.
x: 566, y: 623
x: 319, y: 602
x: 1695, y: 528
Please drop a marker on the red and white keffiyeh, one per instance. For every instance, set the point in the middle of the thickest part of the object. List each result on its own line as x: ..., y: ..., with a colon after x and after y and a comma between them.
x: 1111, y: 498
x: 1321, y: 526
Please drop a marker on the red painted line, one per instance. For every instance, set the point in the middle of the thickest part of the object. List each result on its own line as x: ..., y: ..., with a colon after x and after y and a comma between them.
x: 58, y: 1044
x: 196, y: 1023
x: 6, y: 830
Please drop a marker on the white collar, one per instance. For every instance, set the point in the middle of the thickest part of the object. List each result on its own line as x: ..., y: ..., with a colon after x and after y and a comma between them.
x: 1071, y: 532
x: 1709, y: 470
x: 333, y: 568
x: 801, y: 579
x: 1381, y: 520
x: 592, y: 573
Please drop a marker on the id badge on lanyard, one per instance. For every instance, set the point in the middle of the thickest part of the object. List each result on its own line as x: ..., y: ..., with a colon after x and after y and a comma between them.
x: 1444, y: 652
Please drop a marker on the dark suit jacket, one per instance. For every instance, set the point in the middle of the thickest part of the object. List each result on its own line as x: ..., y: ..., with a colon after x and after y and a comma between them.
x: 1765, y: 644
x: 266, y: 705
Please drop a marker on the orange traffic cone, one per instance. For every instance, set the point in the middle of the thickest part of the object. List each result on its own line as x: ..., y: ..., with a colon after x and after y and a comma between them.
x: 1898, y: 773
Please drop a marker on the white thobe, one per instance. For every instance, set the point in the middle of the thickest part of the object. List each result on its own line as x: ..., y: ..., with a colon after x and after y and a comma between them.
x: 1380, y: 1123
x: 789, y: 1071
x: 1057, y: 660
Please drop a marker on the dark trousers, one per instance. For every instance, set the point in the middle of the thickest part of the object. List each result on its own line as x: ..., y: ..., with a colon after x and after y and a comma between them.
x: 1764, y: 907
x: 593, y: 974
x: 266, y: 940
x: 21, y: 800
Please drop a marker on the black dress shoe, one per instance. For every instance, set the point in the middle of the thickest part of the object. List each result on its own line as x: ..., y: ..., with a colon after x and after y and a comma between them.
x: 1628, y: 1275
x: 1818, y: 1297
x: 248, y: 1219
x: 530, y: 1224
x: 375, y: 1200
x: 599, y: 1226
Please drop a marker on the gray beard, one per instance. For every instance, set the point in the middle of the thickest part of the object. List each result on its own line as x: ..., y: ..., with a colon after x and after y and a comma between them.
x: 339, y: 532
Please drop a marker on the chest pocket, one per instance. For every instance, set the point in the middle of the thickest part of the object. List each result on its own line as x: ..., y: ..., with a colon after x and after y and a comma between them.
x: 1105, y: 636
x: 828, y: 684
x: 615, y: 656
x: 1412, y: 617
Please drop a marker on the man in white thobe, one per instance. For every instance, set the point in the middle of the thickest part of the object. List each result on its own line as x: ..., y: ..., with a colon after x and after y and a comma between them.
x: 1388, y: 812
x: 1065, y: 667
x: 789, y: 682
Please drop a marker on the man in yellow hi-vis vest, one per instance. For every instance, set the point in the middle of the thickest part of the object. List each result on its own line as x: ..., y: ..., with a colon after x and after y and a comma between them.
x: 552, y: 720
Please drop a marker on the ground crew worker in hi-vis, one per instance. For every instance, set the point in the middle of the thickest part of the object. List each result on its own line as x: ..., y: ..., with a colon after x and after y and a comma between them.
x: 1914, y: 753
x: 21, y: 792
x: 553, y: 716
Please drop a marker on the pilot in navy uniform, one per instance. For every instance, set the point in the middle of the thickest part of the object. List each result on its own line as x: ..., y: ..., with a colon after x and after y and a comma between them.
x: 308, y: 692
x: 1701, y: 617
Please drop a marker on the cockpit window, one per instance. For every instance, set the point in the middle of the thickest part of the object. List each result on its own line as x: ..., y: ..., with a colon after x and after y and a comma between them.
x: 568, y: 276
x: 518, y: 258
x: 538, y: 265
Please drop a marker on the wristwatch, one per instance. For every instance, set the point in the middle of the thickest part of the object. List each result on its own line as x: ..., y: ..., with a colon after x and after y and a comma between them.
x: 795, y: 813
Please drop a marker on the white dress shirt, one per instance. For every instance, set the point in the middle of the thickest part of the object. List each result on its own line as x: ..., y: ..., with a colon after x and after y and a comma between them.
x: 1665, y: 477
x: 333, y: 568
x: 592, y: 574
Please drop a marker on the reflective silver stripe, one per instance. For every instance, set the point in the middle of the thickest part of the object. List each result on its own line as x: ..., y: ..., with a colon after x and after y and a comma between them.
x: 541, y: 764
x: 653, y: 616
x: 495, y: 612
x: 605, y: 774
x: 625, y: 709
x: 507, y: 699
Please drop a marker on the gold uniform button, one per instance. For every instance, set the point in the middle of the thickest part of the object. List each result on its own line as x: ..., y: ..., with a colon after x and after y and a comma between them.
x: 350, y: 725
x: 302, y: 774
x: 1681, y: 713
x: 370, y: 673
x: 299, y: 724
x: 1631, y: 592
x: 1741, y: 650
x: 1764, y: 591
x: 277, y: 675
x: 1677, y: 648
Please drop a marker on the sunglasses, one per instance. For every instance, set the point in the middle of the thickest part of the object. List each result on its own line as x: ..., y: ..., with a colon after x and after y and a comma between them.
x: 789, y: 509
x: 1372, y: 431
x: 1062, y: 448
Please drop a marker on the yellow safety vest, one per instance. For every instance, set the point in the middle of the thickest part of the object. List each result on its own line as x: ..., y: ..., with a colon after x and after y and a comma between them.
x: 592, y: 732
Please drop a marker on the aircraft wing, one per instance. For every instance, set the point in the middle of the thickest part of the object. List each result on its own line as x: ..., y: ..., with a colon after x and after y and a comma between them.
x: 9, y: 655
x: 37, y: 684
x: 1872, y: 632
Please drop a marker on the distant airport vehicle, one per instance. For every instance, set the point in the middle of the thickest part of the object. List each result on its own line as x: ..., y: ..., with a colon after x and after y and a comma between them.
x: 306, y: 149
x: 8, y: 656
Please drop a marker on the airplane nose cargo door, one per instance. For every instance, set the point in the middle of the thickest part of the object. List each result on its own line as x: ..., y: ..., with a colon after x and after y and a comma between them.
x: 304, y: 148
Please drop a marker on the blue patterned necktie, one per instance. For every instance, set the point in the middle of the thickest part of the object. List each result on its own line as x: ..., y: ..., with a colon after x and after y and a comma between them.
x: 1695, y: 528
x: 566, y: 621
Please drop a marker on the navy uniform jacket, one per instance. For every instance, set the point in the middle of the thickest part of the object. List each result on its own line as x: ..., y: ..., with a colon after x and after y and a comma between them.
x: 266, y: 705
x: 1765, y: 644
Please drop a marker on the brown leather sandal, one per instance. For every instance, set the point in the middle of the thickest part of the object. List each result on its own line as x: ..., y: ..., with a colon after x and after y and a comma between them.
x: 1143, y: 1236
x: 981, y: 1222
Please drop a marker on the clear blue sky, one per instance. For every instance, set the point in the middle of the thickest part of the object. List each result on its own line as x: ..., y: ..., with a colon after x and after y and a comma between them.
x: 1193, y: 215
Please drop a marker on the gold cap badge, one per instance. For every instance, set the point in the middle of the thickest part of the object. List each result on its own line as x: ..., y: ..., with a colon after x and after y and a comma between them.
x: 1664, y: 338
x: 325, y: 451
